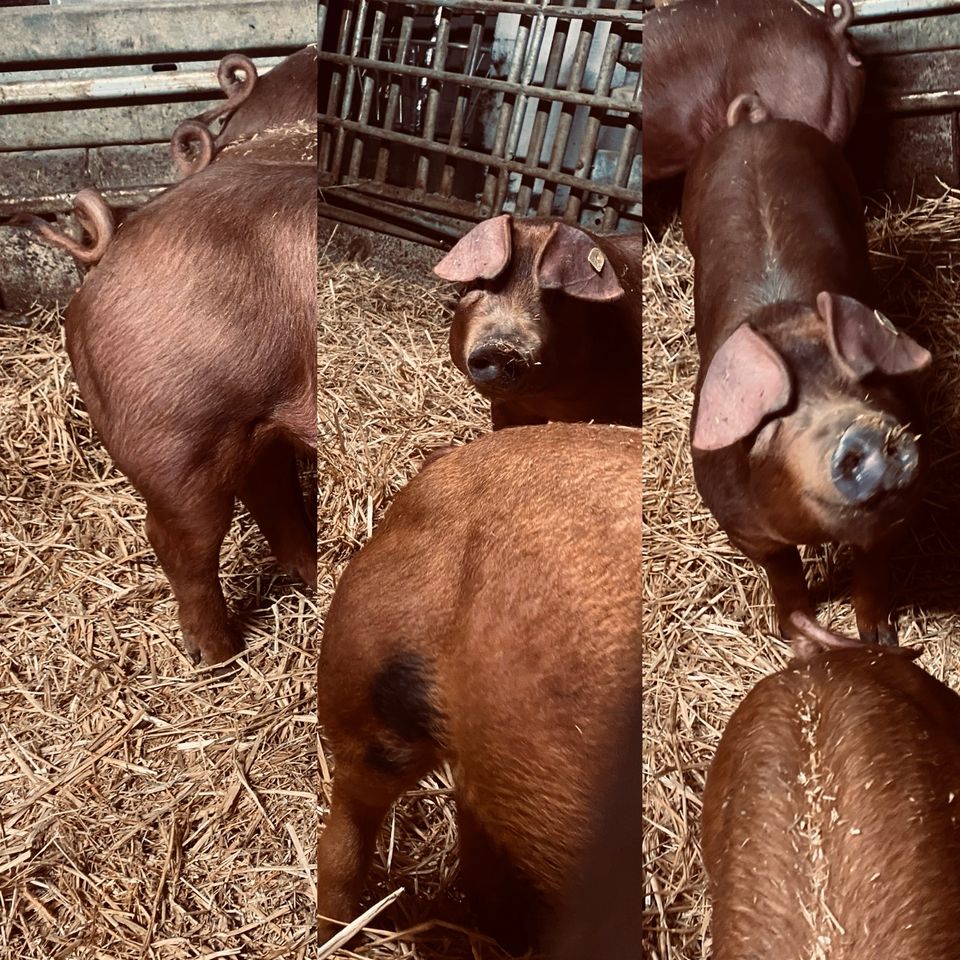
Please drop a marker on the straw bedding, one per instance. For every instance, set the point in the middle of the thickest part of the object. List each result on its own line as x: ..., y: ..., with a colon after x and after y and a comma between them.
x: 151, y: 809
x: 148, y: 809
x: 709, y: 632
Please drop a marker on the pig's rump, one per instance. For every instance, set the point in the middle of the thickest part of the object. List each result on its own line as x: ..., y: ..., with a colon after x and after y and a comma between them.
x: 830, y: 814
x: 197, y: 327
x: 284, y: 95
x: 700, y: 54
x: 493, y: 621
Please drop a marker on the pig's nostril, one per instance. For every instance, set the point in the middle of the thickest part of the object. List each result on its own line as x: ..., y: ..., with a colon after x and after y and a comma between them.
x: 872, y: 458
x: 903, y: 455
x: 494, y: 364
x: 850, y: 463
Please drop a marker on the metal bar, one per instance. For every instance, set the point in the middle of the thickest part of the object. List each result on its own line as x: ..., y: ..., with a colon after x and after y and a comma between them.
x: 117, y: 84
x: 463, y: 209
x: 460, y: 111
x: 80, y: 32
x: 62, y: 202
x: 521, y: 7
x: 393, y: 97
x: 433, y: 100
x: 591, y: 134
x: 621, y: 175
x: 872, y: 9
x: 574, y: 83
x: 330, y: 144
x: 360, y: 17
x: 541, y: 120
x: 461, y: 153
x: 376, y: 39
x: 568, y: 96
x: 506, y: 110
x: 532, y: 56
x: 938, y: 102
x: 321, y: 22
x: 404, y: 212
x: 372, y: 223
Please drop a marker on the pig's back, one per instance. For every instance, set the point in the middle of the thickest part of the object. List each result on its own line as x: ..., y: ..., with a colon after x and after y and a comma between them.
x: 700, y: 54
x: 517, y: 557
x: 830, y: 815
x: 772, y: 214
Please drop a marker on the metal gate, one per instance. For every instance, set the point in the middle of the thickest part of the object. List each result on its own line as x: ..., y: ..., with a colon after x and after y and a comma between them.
x: 440, y: 113
x: 908, y: 135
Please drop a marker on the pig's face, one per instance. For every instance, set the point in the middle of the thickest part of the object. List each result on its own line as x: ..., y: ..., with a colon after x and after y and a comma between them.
x: 511, y: 330
x: 816, y: 399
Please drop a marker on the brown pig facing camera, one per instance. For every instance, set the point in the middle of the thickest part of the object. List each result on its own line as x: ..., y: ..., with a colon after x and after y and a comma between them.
x: 549, y: 328
x: 286, y: 94
x: 699, y: 54
x: 831, y: 814
x: 192, y: 343
x: 804, y: 423
x: 493, y: 621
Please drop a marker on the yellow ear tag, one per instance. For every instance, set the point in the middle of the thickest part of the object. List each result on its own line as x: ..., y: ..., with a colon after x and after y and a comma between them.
x: 597, y: 259
x: 885, y: 323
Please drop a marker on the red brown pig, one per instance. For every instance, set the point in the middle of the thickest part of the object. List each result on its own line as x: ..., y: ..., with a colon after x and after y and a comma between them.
x: 600, y: 919
x: 493, y: 621
x: 830, y: 815
x: 193, y: 344
x: 549, y: 328
x: 699, y: 54
x: 93, y: 215
x: 804, y: 419
x: 287, y: 94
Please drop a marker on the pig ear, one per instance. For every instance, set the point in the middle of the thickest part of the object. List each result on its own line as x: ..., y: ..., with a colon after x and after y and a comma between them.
x: 481, y: 254
x: 863, y: 340
x: 746, y: 381
x: 572, y: 262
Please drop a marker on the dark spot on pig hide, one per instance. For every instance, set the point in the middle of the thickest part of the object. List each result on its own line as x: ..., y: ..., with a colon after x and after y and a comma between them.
x: 400, y: 694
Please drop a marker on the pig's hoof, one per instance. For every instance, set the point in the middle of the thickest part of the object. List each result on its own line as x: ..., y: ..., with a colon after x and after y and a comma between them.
x: 215, y: 647
x: 221, y: 649
x: 884, y: 634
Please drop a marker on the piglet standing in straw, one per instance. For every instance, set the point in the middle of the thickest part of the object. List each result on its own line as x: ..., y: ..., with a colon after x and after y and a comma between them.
x: 193, y: 345
x: 493, y: 621
x: 805, y: 423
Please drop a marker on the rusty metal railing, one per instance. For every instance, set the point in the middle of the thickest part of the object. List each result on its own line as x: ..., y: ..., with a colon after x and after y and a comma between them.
x: 445, y: 111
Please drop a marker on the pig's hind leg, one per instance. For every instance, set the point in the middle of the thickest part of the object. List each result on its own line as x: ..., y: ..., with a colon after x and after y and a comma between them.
x: 186, y: 527
x: 382, y: 745
x: 504, y: 902
x: 190, y: 480
x: 272, y: 494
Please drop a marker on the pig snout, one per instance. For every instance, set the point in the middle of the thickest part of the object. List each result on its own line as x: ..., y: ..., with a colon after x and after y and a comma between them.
x: 874, y: 457
x: 496, y: 364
